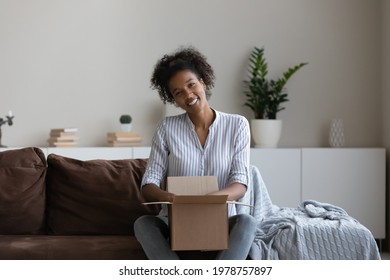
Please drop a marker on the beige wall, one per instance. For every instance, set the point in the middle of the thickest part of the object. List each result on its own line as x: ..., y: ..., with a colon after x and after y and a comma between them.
x: 386, y: 97
x: 83, y: 63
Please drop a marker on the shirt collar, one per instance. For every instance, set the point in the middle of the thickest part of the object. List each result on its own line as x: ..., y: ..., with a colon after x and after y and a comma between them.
x: 214, y: 124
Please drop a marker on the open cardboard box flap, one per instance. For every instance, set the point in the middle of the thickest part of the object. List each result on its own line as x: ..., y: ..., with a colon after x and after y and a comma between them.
x: 203, y: 199
x: 192, y: 185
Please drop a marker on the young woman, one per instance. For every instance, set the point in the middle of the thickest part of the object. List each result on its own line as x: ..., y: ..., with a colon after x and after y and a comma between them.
x: 199, y: 142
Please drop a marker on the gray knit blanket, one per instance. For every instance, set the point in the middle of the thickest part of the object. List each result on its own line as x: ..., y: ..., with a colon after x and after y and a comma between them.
x: 311, y: 231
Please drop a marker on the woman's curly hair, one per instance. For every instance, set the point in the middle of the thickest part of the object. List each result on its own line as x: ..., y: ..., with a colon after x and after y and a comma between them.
x: 183, y: 59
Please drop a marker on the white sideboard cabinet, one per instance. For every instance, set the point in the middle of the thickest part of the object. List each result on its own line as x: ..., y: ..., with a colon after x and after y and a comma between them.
x: 281, y: 172
x: 352, y: 178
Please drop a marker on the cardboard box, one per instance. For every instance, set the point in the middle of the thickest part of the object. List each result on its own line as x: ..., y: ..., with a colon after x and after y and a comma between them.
x: 197, y: 221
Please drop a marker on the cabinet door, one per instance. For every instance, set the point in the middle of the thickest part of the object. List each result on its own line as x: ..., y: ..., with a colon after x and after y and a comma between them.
x: 353, y: 179
x: 281, y: 172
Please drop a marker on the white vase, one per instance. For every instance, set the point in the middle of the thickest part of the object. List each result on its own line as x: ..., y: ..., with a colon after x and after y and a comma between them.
x: 336, y: 133
x: 126, y: 127
x: 266, y: 133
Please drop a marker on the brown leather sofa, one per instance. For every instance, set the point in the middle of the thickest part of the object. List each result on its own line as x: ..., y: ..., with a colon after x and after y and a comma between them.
x: 63, y: 208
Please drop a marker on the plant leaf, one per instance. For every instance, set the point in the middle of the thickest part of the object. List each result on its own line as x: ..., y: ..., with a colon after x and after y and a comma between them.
x: 265, y: 96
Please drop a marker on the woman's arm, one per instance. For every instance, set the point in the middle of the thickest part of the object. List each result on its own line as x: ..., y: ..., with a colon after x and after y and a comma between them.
x: 240, y: 164
x: 152, y: 192
x: 234, y: 191
x: 156, y: 168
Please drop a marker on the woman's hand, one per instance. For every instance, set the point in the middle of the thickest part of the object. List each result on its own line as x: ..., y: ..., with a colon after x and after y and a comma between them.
x: 153, y: 193
x: 234, y: 191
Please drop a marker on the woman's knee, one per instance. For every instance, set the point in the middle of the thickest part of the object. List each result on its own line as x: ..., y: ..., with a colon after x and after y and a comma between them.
x: 246, y: 221
x: 139, y: 225
x: 148, y: 223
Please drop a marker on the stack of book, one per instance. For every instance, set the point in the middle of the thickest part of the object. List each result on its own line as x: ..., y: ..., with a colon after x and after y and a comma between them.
x: 63, y: 137
x: 123, y: 139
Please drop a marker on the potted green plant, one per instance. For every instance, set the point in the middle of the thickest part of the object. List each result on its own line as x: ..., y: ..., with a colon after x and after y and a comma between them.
x: 125, y: 121
x: 265, y: 97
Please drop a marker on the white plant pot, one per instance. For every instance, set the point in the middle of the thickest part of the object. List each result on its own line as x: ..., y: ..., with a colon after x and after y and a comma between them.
x: 266, y: 133
x: 126, y: 127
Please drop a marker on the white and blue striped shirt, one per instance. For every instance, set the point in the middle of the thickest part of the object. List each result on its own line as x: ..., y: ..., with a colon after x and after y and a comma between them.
x: 177, y: 151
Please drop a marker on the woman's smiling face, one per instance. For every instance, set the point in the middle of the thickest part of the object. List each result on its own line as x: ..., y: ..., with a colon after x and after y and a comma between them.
x: 188, y: 91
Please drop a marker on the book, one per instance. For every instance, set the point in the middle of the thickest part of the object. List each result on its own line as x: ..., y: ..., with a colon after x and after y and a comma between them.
x: 63, y: 139
x: 63, y: 144
x: 123, y: 144
x: 124, y: 139
x: 123, y: 134
x: 62, y: 134
x: 66, y: 129
x: 129, y: 140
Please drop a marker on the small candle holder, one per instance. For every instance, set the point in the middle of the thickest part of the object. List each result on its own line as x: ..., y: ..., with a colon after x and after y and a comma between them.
x: 7, y: 120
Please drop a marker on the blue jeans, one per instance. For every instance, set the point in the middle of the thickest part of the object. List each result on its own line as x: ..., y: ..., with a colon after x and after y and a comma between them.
x: 153, y: 234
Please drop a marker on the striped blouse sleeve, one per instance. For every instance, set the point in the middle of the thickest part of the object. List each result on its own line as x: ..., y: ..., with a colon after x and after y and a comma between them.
x: 239, y: 172
x: 156, y: 167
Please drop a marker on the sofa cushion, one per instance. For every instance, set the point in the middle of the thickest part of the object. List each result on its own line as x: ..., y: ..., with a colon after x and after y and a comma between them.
x: 22, y: 191
x: 71, y: 247
x: 95, y: 196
